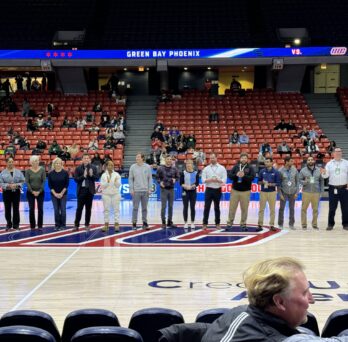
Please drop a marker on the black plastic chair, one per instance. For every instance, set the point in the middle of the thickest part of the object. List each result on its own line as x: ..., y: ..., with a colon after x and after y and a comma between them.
x: 147, y: 321
x: 31, y: 318
x: 336, y: 323
x: 22, y: 333
x: 311, y: 324
x: 87, y: 318
x: 106, y: 334
x: 210, y: 315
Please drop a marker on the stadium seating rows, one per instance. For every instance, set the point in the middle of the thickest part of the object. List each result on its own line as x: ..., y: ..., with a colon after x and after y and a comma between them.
x: 143, y: 326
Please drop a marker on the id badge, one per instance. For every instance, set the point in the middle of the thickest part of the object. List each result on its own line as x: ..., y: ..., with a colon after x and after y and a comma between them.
x: 184, y: 193
x: 289, y: 183
x: 335, y: 191
x: 311, y: 180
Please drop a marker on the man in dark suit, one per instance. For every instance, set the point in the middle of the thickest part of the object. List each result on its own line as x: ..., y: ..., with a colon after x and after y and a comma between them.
x: 85, y: 176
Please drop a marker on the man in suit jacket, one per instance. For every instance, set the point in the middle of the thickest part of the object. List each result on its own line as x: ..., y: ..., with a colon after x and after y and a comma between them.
x: 85, y: 176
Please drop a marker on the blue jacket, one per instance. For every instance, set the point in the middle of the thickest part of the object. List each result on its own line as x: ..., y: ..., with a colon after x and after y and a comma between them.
x: 271, y: 176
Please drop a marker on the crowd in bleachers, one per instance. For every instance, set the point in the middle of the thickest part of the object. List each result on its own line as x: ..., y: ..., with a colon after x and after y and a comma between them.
x: 51, y: 124
x: 260, y: 122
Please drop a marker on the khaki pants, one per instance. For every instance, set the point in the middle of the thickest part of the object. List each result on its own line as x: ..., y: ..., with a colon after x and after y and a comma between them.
x: 312, y: 198
x: 271, y: 198
x: 242, y: 197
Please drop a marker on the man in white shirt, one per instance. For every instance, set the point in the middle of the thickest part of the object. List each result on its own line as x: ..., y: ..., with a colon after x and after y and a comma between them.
x: 337, y: 172
x: 214, y: 176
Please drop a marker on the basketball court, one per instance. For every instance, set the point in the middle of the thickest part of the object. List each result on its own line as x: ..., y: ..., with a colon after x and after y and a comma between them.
x: 61, y: 271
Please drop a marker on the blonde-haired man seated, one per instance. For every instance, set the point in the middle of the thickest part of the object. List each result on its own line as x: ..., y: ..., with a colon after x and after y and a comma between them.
x: 279, y: 296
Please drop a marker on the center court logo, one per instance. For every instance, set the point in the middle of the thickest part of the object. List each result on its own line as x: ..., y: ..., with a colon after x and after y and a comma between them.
x: 155, y: 237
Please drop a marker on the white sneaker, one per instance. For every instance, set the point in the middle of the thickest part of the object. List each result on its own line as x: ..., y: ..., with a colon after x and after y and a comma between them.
x: 186, y: 225
x: 192, y: 225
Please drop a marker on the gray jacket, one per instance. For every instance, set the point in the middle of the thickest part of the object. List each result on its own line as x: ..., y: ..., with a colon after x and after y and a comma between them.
x: 6, y: 178
x: 289, y: 180
x: 304, y: 338
x: 305, y: 180
x: 247, y: 323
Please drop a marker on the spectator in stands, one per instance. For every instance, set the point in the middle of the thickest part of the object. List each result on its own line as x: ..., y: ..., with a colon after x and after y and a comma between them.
x: 40, y: 121
x: 11, y: 182
x: 24, y: 144
x: 105, y: 119
x: 269, y: 178
x: 89, y: 117
x: 6, y: 86
x: 74, y: 150
x: 54, y: 149
x: 94, y: 128
x: 214, y: 176
x: 58, y: 182
x: 10, y: 132
x: 172, y: 148
x: 208, y: 86
x: 48, y: 123
x: 189, y: 180
x: 41, y: 145
x: 153, y: 160
x: 73, y: 123
x: 19, y: 81
x: 284, y: 148
x: 35, y: 178
x: 140, y: 187
x: 66, y: 122
x: 11, y: 105
x: 25, y: 107
x: 235, y: 86
x: 312, y: 147
x: 331, y: 147
x: 181, y: 148
x: 119, y: 137
x: 10, y: 150
x: 65, y: 155
x: 213, y: 116
x: 50, y: 108
x: 157, y: 134
x: 81, y: 123
x: 155, y: 145
x: 198, y: 157
x: 281, y: 126
x: 167, y: 175
x: 265, y: 148
x: 304, y: 136
x: 163, y: 155
x: 190, y: 141
x: 243, y: 138
x: 234, y: 138
x: 175, y: 132
x: 98, y: 162
x: 288, y: 191
x: 291, y: 126
x: 85, y: 176
x: 278, y: 295
x: 110, y: 183
x: 109, y: 144
x: 28, y: 83
x: 312, y: 187
x: 159, y: 125
x: 93, y: 145
x: 242, y: 175
x: 97, y: 107
x: 36, y: 86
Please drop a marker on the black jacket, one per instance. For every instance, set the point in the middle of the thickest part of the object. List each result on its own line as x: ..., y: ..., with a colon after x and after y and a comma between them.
x: 247, y: 323
x: 246, y: 181
x: 79, y: 178
x: 192, y: 332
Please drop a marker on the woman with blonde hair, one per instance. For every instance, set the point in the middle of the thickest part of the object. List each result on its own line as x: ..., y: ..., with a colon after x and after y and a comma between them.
x: 58, y: 182
x: 110, y: 184
x: 35, y: 178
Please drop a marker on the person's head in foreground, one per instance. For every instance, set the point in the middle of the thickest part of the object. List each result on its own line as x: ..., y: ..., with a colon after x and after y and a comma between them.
x: 280, y: 287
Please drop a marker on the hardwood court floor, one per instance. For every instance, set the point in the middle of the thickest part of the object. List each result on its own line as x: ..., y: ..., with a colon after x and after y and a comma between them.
x: 62, y: 279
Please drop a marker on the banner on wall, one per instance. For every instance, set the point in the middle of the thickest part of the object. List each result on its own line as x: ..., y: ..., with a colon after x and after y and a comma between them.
x: 155, y: 195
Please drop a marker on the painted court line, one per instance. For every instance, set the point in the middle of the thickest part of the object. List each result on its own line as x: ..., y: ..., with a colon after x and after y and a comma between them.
x: 21, y: 302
